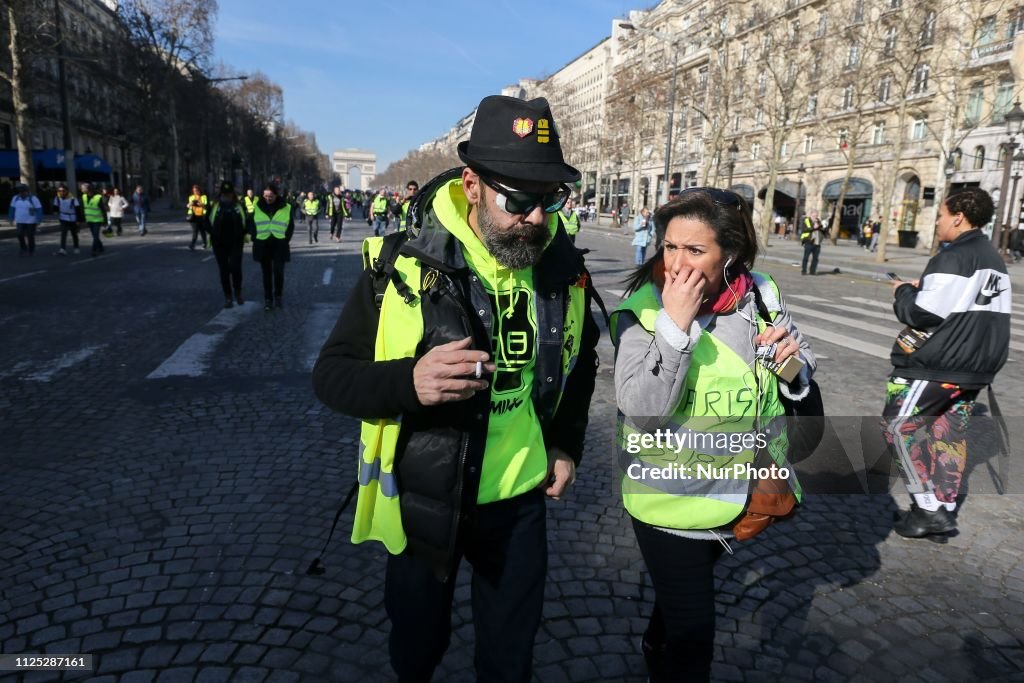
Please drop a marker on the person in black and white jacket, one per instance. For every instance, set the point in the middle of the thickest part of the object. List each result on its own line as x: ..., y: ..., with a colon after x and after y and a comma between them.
x: 956, y: 340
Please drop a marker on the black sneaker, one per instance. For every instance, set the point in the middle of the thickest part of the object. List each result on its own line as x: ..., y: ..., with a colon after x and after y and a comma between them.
x: 268, y: 305
x: 238, y: 298
x: 918, y: 522
x: 228, y: 302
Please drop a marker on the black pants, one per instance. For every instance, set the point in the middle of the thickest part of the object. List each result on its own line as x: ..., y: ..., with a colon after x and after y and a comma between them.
x: 199, y: 228
x: 117, y: 224
x: 337, y: 223
x: 26, y: 233
x: 507, y: 548
x: 681, y: 631
x: 97, y: 243
x: 65, y: 228
x: 811, y: 251
x: 229, y: 263
x: 273, y: 277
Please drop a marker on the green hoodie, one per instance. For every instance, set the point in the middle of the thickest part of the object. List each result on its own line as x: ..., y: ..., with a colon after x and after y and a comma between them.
x: 515, y: 458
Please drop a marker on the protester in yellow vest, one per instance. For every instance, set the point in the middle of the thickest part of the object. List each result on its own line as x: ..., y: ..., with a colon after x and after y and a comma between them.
x: 198, y: 205
x: 311, y: 210
x: 379, y: 213
x: 570, y: 219
x: 271, y: 227
x: 468, y: 420
x: 94, y: 215
x: 697, y: 412
x: 337, y: 212
x: 250, y: 201
x: 227, y: 237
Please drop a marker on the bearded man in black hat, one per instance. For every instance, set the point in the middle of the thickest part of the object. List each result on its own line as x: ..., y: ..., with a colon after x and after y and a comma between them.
x: 468, y: 351
x: 227, y: 235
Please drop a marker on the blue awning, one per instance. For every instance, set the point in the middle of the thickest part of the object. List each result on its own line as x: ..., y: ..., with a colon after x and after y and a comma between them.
x: 48, y: 159
x: 9, y: 164
x: 92, y: 163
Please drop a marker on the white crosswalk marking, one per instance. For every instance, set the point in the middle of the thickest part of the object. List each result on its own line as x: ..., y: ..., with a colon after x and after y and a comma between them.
x: 841, y: 320
x: 616, y: 292
x: 843, y: 340
x: 192, y: 358
x: 328, y: 274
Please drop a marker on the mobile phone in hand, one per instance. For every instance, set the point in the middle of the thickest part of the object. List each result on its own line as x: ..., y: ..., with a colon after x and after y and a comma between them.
x: 893, y: 276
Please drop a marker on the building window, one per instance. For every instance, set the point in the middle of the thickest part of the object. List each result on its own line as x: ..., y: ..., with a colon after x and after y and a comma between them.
x: 975, y: 99
x: 878, y: 133
x: 794, y: 31
x: 979, y: 158
x: 918, y: 129
x: 848, y: 98
x: 822, y: 25
x: 755, y: 151
x: 1001, y: 158
x: 1004, y: 94
x: 889, y: 47
x: 808, y: 143
x: 759, y: 117
x: 736, y: 123
x: 853, y: 56
x: 842, y: 138
x: 928, y: 28
x: 766, y: 46
x: 858, y: 12
x: 1016, y: 24
x: 812, y: 105
x: 784, y: 150
x: 987, y: 31
x: 762, y: 83
x: 702, y: 78
x: 921, y: 74
x: 895, y: 4
x: 744, y: 53
x: 884, y: 88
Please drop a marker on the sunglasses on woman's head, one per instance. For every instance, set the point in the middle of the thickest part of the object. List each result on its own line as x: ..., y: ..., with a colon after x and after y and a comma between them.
x: 518, y: 202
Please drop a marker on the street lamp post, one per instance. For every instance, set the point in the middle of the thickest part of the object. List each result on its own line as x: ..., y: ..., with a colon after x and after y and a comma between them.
x: 616, y: 206
x: 1013, y: 214
x: 1014, y: 126
x: 800, y: 170
x: 672, y: 44
x: 734, y: 153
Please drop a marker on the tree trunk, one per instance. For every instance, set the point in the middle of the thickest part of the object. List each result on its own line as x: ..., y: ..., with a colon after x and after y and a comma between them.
x: 769, y: 204
x: 173, y: 181
x: 887, y: 198
x: 22, y: 118
x: 834, y: 228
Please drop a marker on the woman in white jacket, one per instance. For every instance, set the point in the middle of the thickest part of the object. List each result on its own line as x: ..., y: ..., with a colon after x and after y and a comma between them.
x: 117, y: 204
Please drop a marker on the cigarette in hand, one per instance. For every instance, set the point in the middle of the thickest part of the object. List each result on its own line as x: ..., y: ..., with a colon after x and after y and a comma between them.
x: 479, y: 372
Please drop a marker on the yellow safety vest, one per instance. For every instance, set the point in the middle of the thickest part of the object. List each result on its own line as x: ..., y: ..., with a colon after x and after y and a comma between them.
x: 311, y: 207
x: 808, y: 229
x: 571, y: 222
x: 216, y: 207
x: 701, y: 479
x: 197, y: 210
x: 92, y: 208
x: 276, y: 226
x: 378, y: 514
x: 250, y: 204
x: 380, y: 205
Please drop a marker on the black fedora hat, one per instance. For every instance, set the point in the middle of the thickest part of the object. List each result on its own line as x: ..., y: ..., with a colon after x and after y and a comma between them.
x: 517, y: 140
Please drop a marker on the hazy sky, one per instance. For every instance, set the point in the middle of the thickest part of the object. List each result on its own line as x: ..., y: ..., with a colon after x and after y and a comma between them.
x: 387, y: 75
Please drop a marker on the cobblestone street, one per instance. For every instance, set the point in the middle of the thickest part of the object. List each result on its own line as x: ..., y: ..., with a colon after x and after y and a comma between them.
x: 162, y: 519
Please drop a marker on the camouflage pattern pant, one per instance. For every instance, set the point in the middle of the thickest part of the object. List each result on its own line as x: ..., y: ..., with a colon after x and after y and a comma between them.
x: 926, y: 423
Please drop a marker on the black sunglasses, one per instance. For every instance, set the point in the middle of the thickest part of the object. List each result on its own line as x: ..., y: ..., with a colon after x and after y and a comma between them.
x: 518, y: 202
x: 723, y: 197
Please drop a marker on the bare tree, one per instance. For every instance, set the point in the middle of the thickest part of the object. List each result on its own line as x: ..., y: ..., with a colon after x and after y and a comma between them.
x: 418, y: 165
x: 782, y: 69
x: 174, y: 41
x: 27, y: 28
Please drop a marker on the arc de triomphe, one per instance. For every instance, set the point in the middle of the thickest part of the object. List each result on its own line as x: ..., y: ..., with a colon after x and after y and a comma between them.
x: 355, y: 167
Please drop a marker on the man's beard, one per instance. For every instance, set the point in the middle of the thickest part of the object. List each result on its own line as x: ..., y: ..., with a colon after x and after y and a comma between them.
x: 514, y: 248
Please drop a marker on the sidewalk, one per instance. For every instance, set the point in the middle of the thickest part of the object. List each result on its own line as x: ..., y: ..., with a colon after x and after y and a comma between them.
x: 846, y: 256
x: 50, y: 224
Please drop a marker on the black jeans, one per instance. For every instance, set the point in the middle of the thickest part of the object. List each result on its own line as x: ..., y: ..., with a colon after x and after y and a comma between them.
x: 810, y: 251
x: 337, y: 223
x: 229, y: 263
x: 681, y: 632
x: 507, y: 547
x: 97, y: 243
x: 199, y: 228
x: 26, y: 233
x: 273, y: 277
x: 65, y: 228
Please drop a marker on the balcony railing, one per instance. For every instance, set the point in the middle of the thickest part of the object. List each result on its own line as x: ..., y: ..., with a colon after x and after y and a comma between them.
x: 992, y: 49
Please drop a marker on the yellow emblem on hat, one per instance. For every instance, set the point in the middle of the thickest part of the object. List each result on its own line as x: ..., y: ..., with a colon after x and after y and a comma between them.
x: 522, y: 127
x: 543, y: 131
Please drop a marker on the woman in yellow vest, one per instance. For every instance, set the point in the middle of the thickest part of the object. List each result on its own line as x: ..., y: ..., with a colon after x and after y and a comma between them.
x: 271, y: 227
x: 699, y: 417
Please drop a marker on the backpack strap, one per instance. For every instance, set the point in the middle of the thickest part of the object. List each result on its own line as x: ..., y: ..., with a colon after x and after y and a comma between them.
x: 382, y: 269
